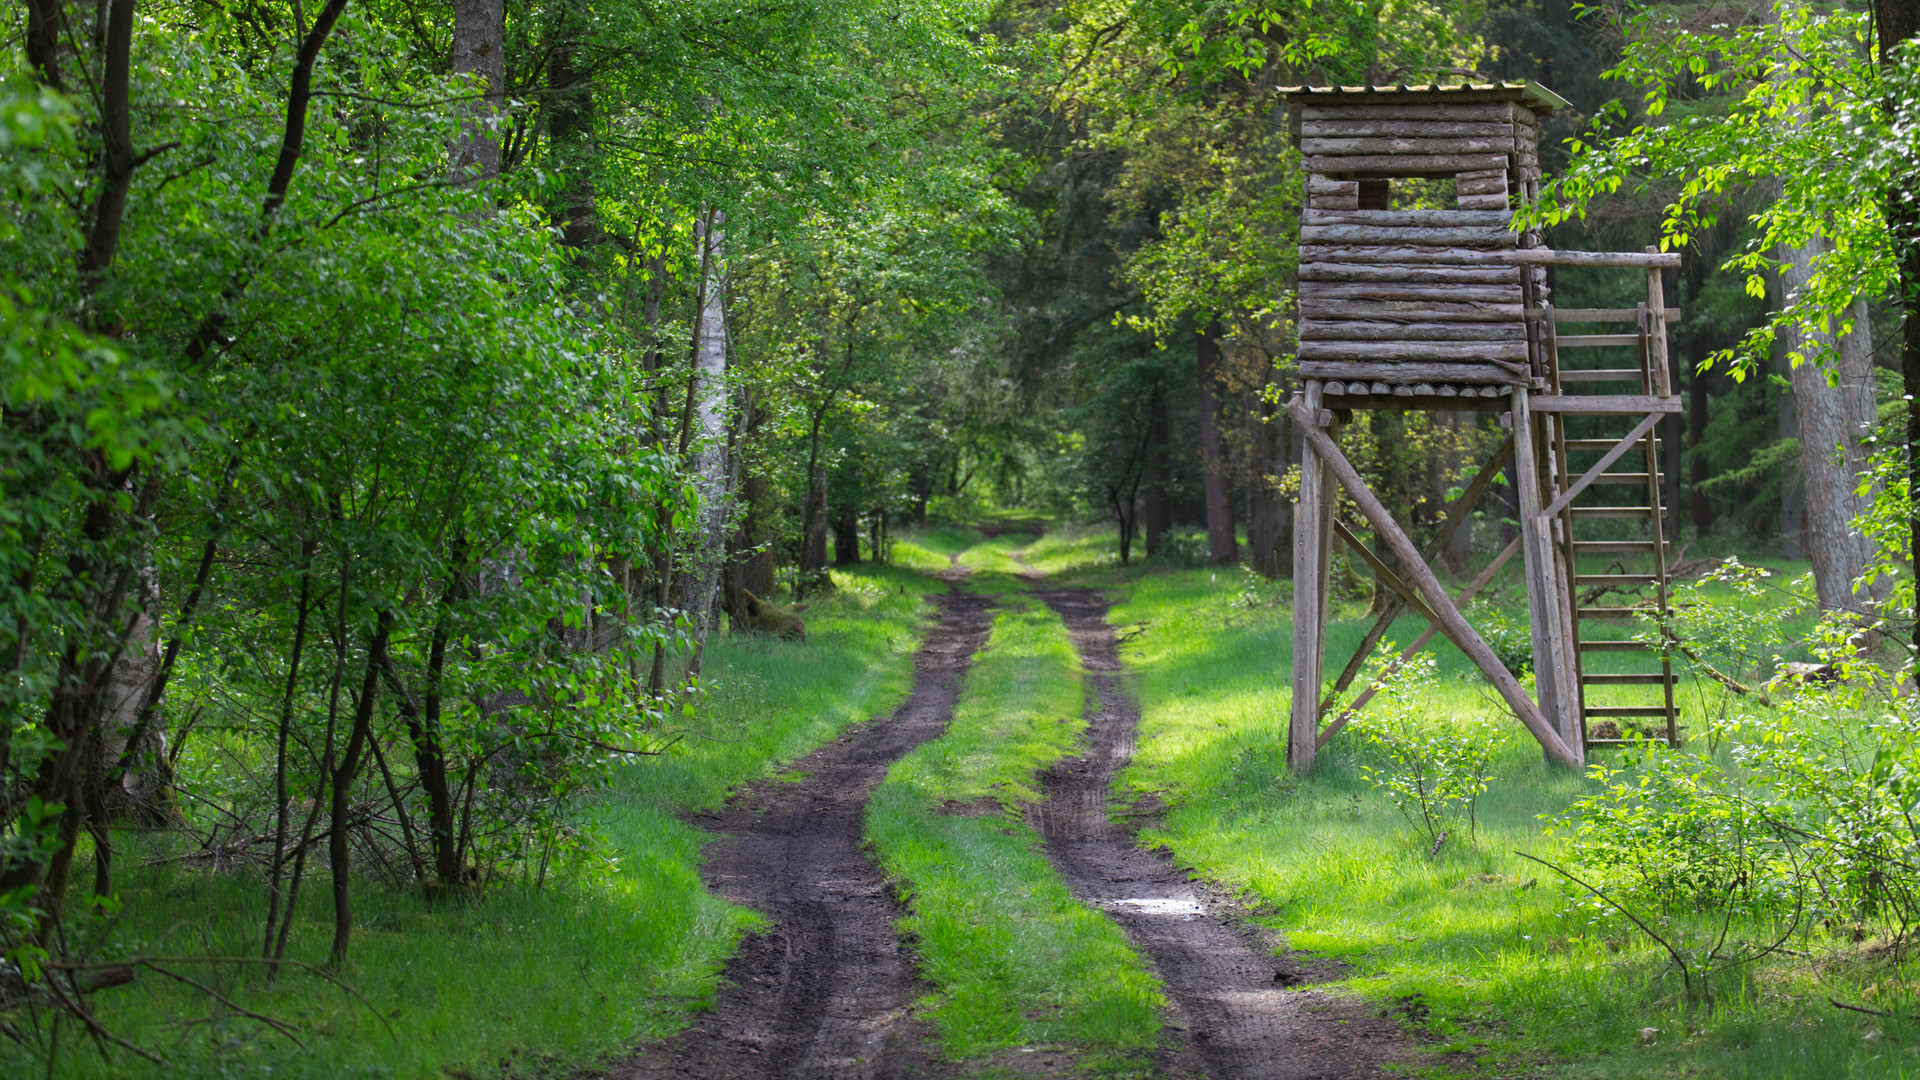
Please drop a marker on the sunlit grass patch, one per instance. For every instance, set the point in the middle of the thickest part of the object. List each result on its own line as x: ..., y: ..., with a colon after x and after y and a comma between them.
x: 1016, y: 959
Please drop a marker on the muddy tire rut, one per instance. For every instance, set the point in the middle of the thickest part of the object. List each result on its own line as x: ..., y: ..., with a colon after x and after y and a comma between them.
x: 1234, y: 1014
x: 826, y: 991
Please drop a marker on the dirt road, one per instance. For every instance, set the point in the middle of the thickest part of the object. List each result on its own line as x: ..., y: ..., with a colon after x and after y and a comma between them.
x: 1234, y: 1016
x: 826, y: 991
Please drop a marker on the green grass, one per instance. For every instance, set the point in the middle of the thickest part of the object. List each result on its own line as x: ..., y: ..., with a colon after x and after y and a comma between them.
x: 1017, y: 961
x: 1488, y: 940
x: 521, y: 981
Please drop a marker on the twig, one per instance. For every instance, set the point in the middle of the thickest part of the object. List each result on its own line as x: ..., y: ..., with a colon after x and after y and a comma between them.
x: 1838, y: 1004
x: 1686, y: 973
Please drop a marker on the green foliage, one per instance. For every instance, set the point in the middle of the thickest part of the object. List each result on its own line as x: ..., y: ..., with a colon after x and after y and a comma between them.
x: 1433, y: 772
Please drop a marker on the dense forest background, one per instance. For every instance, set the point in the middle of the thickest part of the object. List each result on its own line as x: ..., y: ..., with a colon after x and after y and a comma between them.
x: 398, y: 395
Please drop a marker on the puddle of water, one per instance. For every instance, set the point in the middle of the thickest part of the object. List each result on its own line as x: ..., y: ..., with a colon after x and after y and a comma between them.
x: 1159, y: 905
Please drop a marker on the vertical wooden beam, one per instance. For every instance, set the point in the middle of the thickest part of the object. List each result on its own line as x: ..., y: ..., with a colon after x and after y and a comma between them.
x: 1545, y: 596
x: 1657, y: 331
x: 1309, y: 592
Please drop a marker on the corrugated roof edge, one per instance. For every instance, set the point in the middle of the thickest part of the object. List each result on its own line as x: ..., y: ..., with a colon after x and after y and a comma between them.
x: 1531, y: 92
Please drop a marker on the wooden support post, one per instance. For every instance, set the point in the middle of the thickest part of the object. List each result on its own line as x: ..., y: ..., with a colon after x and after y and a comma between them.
x: 1657, y: 331
x: 1310, y: 578
x: 1545, y: 598
x: 1452, y: 623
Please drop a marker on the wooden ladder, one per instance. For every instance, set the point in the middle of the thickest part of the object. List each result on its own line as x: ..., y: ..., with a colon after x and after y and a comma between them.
x: 1629, y: 490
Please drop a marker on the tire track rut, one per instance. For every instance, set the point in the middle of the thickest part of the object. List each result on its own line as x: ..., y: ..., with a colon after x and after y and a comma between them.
x: 827, y: 990
x: 1233, y: 1015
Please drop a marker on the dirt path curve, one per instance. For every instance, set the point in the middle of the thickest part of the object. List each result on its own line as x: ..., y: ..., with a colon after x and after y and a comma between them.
x: 825, y: 992
x: 1234, y: 1017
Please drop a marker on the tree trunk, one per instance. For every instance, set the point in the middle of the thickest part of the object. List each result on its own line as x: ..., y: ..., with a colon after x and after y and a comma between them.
x: 1221, y: 544
x: 1154, y: 516
x: 1896, y: 24
x: 340, y: 818
x: 1832, y: 421
x: 1269, y: 517
x: 846, y: 536
x: 479, y: 33
x: 570, y: 126
x: 709, y: 464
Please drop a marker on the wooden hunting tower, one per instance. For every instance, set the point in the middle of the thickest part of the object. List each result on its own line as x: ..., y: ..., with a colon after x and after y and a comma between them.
x: 1449, y: 308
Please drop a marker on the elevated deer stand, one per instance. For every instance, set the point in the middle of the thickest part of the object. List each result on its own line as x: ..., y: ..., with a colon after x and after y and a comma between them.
x: 1449, y: 309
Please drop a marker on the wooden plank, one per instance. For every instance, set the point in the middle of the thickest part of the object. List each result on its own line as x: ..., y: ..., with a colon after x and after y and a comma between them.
x: 1408, y: 144
x: 1612, y: 512
x: 1633, y: 259
x: 1491, y: 371
x: 1438, y: 165
x: 1615, y: 646
x: 1402, y: 272
x: 1353, y: 330
x: 1605, y: 404
x: 1495, y: 184
x: 1543, y: 595
x: 1396, y: 352
x: 1624, y: 711
x: 1614, y: 579
x: 1401, y: 253
x: 1309, y: 588
x: 1422, y: 291
x: 1599, y: 341
x: 1490, y: 236
x: 1599, y: 315
x: 1485, y: 112
x: 1451, y: 622
x: 1317, y: 185
x: 1482, y: 174
x: 1390, y: 402
x: 1402, y: 219
x: 1657, y: 332
x: 1453, y: 129
x: 1410, y: 311
x: 1484, y: 202
x: 1606, y: 460
x: 1333, y: 202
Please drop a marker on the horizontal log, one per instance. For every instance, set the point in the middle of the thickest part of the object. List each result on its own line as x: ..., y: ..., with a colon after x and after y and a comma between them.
x: 1485, y: 144
x: 1382, y: 290
x: 1599, y: 315
x: 1482, y: 174
x: 1459, y: 402
x: 1352, y: 330
x: 1399, y: 351
x: 1422, y: 129
x: 1603, y: 404
x: 1409, y: 218
x: 1481, y: 275
x: 1321, y: 186
x: 1490, y: 236
x: 1333, y: 202
x: 1478, y: 374
x: 1492, y: 185
x: 1461, y: 111
x: 1625, y: 259
x: 1405, y: 164
x: 1485, y: 202
x: 1417, y: 311
x: 1401, y: 253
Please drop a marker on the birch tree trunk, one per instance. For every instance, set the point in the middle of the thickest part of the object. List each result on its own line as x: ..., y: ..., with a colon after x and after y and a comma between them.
x: 709, y: 445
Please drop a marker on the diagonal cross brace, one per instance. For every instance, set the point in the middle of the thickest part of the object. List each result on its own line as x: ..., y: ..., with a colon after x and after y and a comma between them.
x: 1457, y: 513
x: 1451, y: 622
x: 1606, y: 462
x: 1382, y: 571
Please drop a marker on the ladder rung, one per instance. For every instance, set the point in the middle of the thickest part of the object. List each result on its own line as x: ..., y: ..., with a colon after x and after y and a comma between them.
x: 1636, y: 679
x: 1595, y: 341
x: 1614, y: 579
x: 1612, y: 511
x: 1610, y: 612
x: 1621, y: 742
x: 1626, y: 712
x: 1626, y: 478
x: 1614, y: 547
x: 1614, y: 646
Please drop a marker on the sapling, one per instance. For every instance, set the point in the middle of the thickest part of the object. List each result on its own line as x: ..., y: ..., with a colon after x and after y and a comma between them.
x: 1433, y: 769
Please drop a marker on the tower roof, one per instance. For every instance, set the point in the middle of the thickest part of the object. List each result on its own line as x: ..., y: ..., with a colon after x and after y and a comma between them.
x: 1532, y: 94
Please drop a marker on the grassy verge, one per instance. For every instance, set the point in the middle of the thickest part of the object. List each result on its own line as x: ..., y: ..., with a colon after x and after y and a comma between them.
x: 1511, y: 972
x: 525, y: 980
x: 1017, y: 960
